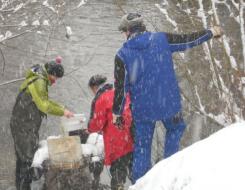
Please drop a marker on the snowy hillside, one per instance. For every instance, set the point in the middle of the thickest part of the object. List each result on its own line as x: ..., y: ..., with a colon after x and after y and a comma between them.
x: 214, y: 163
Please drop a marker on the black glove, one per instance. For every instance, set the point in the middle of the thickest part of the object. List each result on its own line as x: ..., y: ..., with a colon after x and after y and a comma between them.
x: 119, y: 122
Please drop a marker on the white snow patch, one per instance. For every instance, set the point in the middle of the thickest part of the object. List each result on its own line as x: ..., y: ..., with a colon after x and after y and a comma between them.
x: 46, y: 4
x: 242, y: 30
x: 201, y: 13
x: 46, y: 23
x: 188, y: 11
x: 237, y: 19
x: 8, y: 34
x: 182, y: 55
x: 36, y: 23
x: 217, y: 62
x: 243, y: 80
x: 1, y: 37
x: 23, y: 23
x: 41, y: 154
x: 94, y: 147
x: 228, y: 51
x: 68, y: 31
x: 164, y: 11
x: 214, y: 163
x: 164, y: 2
x: 83, y: 2
x: 18, y: 7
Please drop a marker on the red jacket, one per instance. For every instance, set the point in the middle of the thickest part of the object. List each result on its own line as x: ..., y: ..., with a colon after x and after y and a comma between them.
x: 117, y: 142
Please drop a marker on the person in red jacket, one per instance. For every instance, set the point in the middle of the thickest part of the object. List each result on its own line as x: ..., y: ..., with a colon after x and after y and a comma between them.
x: 118, y: 141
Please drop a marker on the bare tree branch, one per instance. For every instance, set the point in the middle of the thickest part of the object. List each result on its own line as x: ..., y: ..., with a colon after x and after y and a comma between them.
x: 4, y: 62
x: 12, y: 81
x: 18, y: 35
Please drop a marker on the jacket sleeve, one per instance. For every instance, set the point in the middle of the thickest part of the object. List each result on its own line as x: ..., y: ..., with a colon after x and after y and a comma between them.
x: 39, y: 94
x: 181, y: 42
x: 98, y: 116
x: 121, y: 86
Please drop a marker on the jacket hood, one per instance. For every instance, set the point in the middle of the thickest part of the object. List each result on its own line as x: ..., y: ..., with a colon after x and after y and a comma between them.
x: 37, y: 70
x: 140, y: 41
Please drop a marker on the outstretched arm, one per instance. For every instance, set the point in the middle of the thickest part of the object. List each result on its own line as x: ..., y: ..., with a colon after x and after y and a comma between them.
x: 181, y: 42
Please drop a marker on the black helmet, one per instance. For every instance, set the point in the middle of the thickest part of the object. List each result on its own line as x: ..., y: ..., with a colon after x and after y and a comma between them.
x: 96, y: 80
x: 55, y: 69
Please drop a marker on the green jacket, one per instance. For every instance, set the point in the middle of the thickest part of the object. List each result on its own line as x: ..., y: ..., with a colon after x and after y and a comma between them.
x: 39, y: 91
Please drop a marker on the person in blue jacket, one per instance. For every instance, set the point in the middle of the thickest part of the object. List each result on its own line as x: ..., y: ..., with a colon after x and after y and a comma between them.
x: 144, y: 68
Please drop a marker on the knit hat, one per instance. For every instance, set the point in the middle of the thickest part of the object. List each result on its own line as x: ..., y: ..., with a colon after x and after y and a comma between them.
x: 131, y: 22
x: 55, y: 68
x: 96, y: 80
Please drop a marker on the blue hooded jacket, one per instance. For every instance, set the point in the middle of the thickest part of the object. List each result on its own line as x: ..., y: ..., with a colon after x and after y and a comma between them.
x: 149, y: 74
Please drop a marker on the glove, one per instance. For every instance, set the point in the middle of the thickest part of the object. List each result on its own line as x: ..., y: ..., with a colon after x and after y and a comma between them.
x: 118, y: 121
x: 36, y: 173
x: 216, y: 31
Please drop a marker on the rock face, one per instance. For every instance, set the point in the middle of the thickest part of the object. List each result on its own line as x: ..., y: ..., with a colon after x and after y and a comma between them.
x: 85, y: 34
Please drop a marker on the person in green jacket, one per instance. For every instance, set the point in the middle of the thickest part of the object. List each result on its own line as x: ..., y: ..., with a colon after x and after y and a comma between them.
x: 32, y: 104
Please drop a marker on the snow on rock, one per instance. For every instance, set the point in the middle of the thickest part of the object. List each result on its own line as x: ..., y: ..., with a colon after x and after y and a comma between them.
x: 164, y: 11
x: 46, y: 4
x: 18, y: 7
x: 7, y: 35
x: 228, y: 51
x: 214, y: 163
x: 97, y: 141
x: 94, y: 147
x: 41, y: 154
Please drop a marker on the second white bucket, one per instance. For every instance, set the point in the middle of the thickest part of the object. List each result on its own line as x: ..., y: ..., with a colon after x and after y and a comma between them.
x: 73, y: 123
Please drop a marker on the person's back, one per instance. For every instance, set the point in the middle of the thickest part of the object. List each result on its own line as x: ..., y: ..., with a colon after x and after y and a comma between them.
x: 118, y: 141
x: 153, y: 87
x: 144, y: 68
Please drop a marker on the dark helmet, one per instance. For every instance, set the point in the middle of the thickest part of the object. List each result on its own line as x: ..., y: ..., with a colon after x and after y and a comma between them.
x: 54, y: 69
x: 131, y: 22
x: 96, y: 80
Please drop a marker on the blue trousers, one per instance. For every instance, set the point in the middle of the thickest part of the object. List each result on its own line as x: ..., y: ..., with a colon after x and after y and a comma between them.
x: 143, y: 134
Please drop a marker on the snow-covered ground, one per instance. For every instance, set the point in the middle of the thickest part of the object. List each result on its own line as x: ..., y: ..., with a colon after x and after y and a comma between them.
x: 215, y: 163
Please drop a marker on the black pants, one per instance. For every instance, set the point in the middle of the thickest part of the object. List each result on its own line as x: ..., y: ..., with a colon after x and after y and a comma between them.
x: 23, y: 176
x: 25, y: 123
x: 120, y: 169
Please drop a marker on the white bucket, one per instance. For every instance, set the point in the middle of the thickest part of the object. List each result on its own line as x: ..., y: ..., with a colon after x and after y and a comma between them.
x: 73, y: 123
